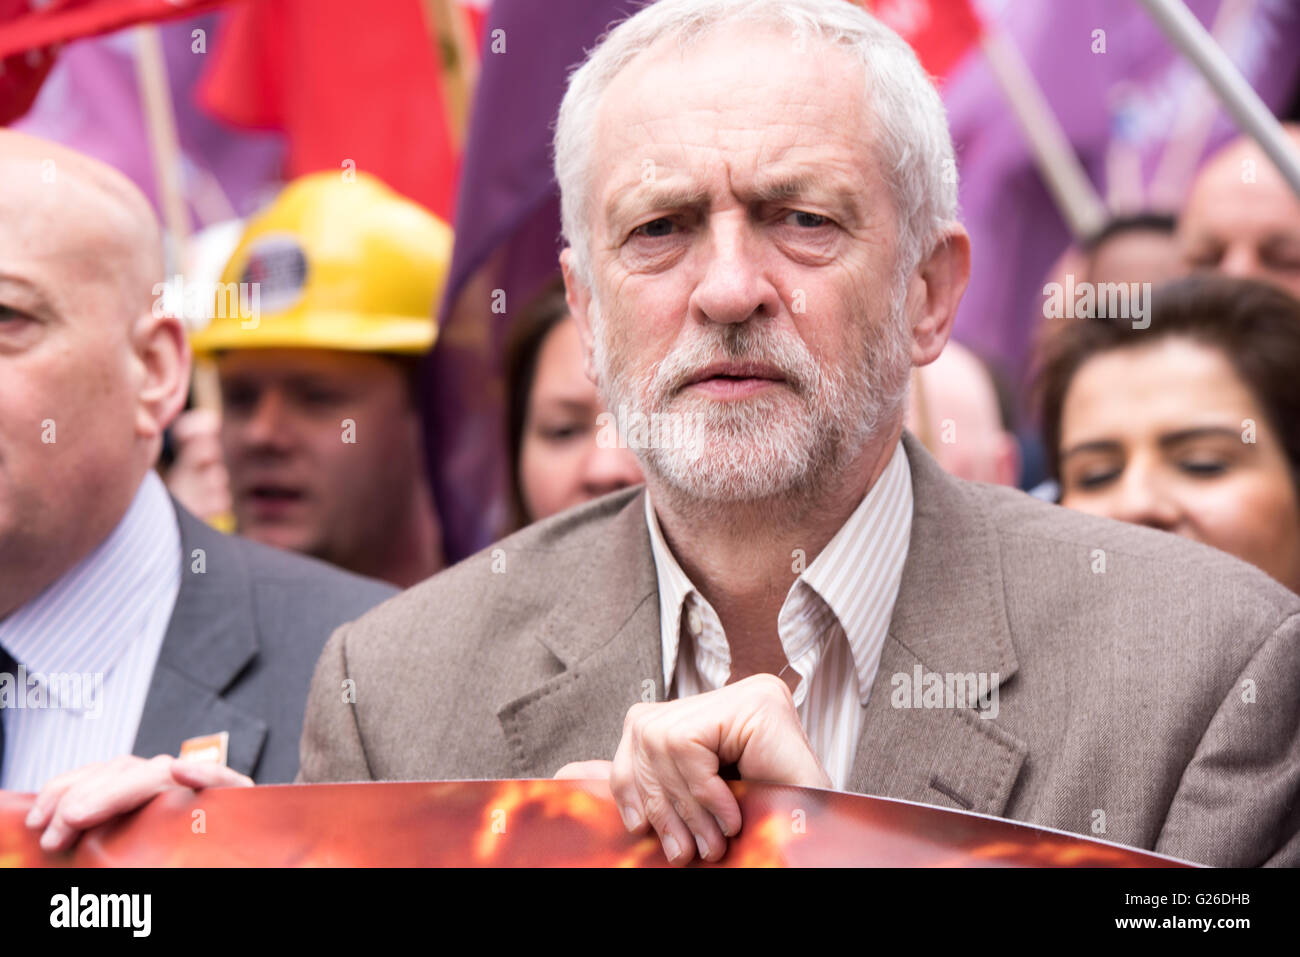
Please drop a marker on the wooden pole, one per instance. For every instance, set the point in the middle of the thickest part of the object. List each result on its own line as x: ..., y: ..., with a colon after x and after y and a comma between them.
x: 1194, y: 121
x: 160, y: 121
x: 449, y: 32
x: 164, y: 146
x: 1236, y: 95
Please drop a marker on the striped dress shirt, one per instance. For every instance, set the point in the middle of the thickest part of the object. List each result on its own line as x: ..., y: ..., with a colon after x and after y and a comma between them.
x: 832, y: 624
x: 86, y: 647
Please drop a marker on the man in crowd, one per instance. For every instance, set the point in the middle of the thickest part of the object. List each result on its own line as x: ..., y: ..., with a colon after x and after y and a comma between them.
x: 319, y: 424
x: 116, y: 604
x: 761, y: 237
x: 1242, y: 218
x: 1139, y: 247
x: 790, y: 256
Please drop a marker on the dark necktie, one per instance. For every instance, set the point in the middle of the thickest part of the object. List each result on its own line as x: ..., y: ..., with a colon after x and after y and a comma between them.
x: 7, y: 667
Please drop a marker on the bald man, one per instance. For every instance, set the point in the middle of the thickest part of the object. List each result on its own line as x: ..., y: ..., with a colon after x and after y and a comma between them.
x: 1242, y: 218
x: 125, y: 624
x: 953, y: 405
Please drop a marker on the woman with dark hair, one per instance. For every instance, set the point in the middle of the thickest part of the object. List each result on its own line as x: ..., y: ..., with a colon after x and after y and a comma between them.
x: 1191, y: 425
x: 555, y: 459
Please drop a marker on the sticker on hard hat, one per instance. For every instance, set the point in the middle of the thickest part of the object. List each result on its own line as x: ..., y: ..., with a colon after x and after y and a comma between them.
x: 279, y: 268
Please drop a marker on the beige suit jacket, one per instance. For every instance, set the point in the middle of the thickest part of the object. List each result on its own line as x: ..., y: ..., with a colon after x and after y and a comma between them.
x: 1148, y: 687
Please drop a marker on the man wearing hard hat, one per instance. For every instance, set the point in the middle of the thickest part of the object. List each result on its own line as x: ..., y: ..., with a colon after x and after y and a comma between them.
x: 320, y: 427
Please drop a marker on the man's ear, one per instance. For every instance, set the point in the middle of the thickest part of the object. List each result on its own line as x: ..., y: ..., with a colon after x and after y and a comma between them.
x: 163, y: 365
x: 578, y: 297
x: 938, y: 284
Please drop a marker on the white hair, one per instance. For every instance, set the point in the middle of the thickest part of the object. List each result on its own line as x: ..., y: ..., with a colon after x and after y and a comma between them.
x: 912, y: 141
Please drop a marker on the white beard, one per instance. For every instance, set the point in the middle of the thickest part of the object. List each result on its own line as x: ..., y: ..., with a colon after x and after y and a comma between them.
x: 787, y: 441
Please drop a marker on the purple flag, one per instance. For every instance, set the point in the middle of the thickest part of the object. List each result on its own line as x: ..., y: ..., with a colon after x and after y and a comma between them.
x: 91, y: 103
x: 507, y: 244
x: 1135, y: 88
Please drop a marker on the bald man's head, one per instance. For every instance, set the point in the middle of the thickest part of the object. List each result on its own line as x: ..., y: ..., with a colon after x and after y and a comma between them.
x: 1242, y: 218
x: 89, y: 375
x: 59, y: 200
x: 953, y: 407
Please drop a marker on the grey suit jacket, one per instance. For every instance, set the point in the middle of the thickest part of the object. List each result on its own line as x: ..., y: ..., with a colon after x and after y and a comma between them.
x: 1149, y: 687
x: 248, y: 625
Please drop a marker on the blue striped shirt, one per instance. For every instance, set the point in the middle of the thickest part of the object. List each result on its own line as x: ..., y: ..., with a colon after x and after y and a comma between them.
x: 86, y: 647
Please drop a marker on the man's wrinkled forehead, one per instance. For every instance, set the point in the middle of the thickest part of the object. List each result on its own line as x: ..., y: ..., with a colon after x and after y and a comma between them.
x: 779, y: 116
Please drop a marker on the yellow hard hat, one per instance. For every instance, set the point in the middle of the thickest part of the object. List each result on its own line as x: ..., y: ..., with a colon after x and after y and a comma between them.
x: 333, y: 264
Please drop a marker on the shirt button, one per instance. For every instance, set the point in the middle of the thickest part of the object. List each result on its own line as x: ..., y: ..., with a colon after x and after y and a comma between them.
x: 694, y: 623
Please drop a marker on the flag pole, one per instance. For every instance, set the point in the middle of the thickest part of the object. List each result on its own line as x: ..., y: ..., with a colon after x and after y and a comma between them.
x: 1066, y: 179
x: 1194, y: 120
x: 1238, y: 98
x: 160, y: 122
x: 164, y: 146
x: 449, y: 31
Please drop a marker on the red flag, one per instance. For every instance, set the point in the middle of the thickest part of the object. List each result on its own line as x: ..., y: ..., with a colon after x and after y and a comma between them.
x: 21, y: 74
x: 940, y: 31
x: 352, y: 85
x: 22, y: 28
x: 29, y: 37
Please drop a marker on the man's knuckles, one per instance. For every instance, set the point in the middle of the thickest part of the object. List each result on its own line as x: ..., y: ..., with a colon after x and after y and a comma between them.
x: 770, y: 691
x: 658, y: 810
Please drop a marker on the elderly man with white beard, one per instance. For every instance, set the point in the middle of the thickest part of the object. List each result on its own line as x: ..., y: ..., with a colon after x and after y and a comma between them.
x: 759, y: 204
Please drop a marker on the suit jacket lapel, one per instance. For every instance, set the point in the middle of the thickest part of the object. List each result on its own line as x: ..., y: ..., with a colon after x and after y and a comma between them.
x: 607, y: 637
x: 950, y: 619
x: 211, y: 638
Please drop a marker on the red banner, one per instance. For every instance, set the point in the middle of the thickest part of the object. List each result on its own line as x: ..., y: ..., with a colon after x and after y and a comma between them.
x: 65, y: 20
x: 537, y: 824
x: 940, y: 31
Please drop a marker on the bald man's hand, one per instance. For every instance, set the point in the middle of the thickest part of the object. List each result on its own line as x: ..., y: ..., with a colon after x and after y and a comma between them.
x: 665, y: 773
x: 80, y: 799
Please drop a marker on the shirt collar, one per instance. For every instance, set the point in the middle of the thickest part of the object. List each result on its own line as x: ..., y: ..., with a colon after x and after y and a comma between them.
x: 674, y: 586
x: 88, y: 617
x: 857, y: 574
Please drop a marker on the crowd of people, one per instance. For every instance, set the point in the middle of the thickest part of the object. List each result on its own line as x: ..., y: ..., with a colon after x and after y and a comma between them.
x: 845, y: 512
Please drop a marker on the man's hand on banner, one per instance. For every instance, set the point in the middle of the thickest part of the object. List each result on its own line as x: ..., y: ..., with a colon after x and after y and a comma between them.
x: 82, y: 798
x: 665, y: 773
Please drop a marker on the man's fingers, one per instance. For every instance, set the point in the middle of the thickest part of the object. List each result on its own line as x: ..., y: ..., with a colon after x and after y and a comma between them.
x: 666, y: 797
x: 665, y: 773
x: 685, y: 793
x: 81, y: 799
x: 770, y: 744
x: 585, y: 771
x: 624, y: 788
x: 48, y: 800
x: 717, y: 801
x: 117, y: 787
x: 674, y: 835
x: 205, y: 774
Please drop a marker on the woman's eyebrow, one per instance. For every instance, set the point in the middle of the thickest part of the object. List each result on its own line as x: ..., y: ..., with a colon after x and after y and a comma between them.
x: 1096, y: 445
x: 1198, y: 432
